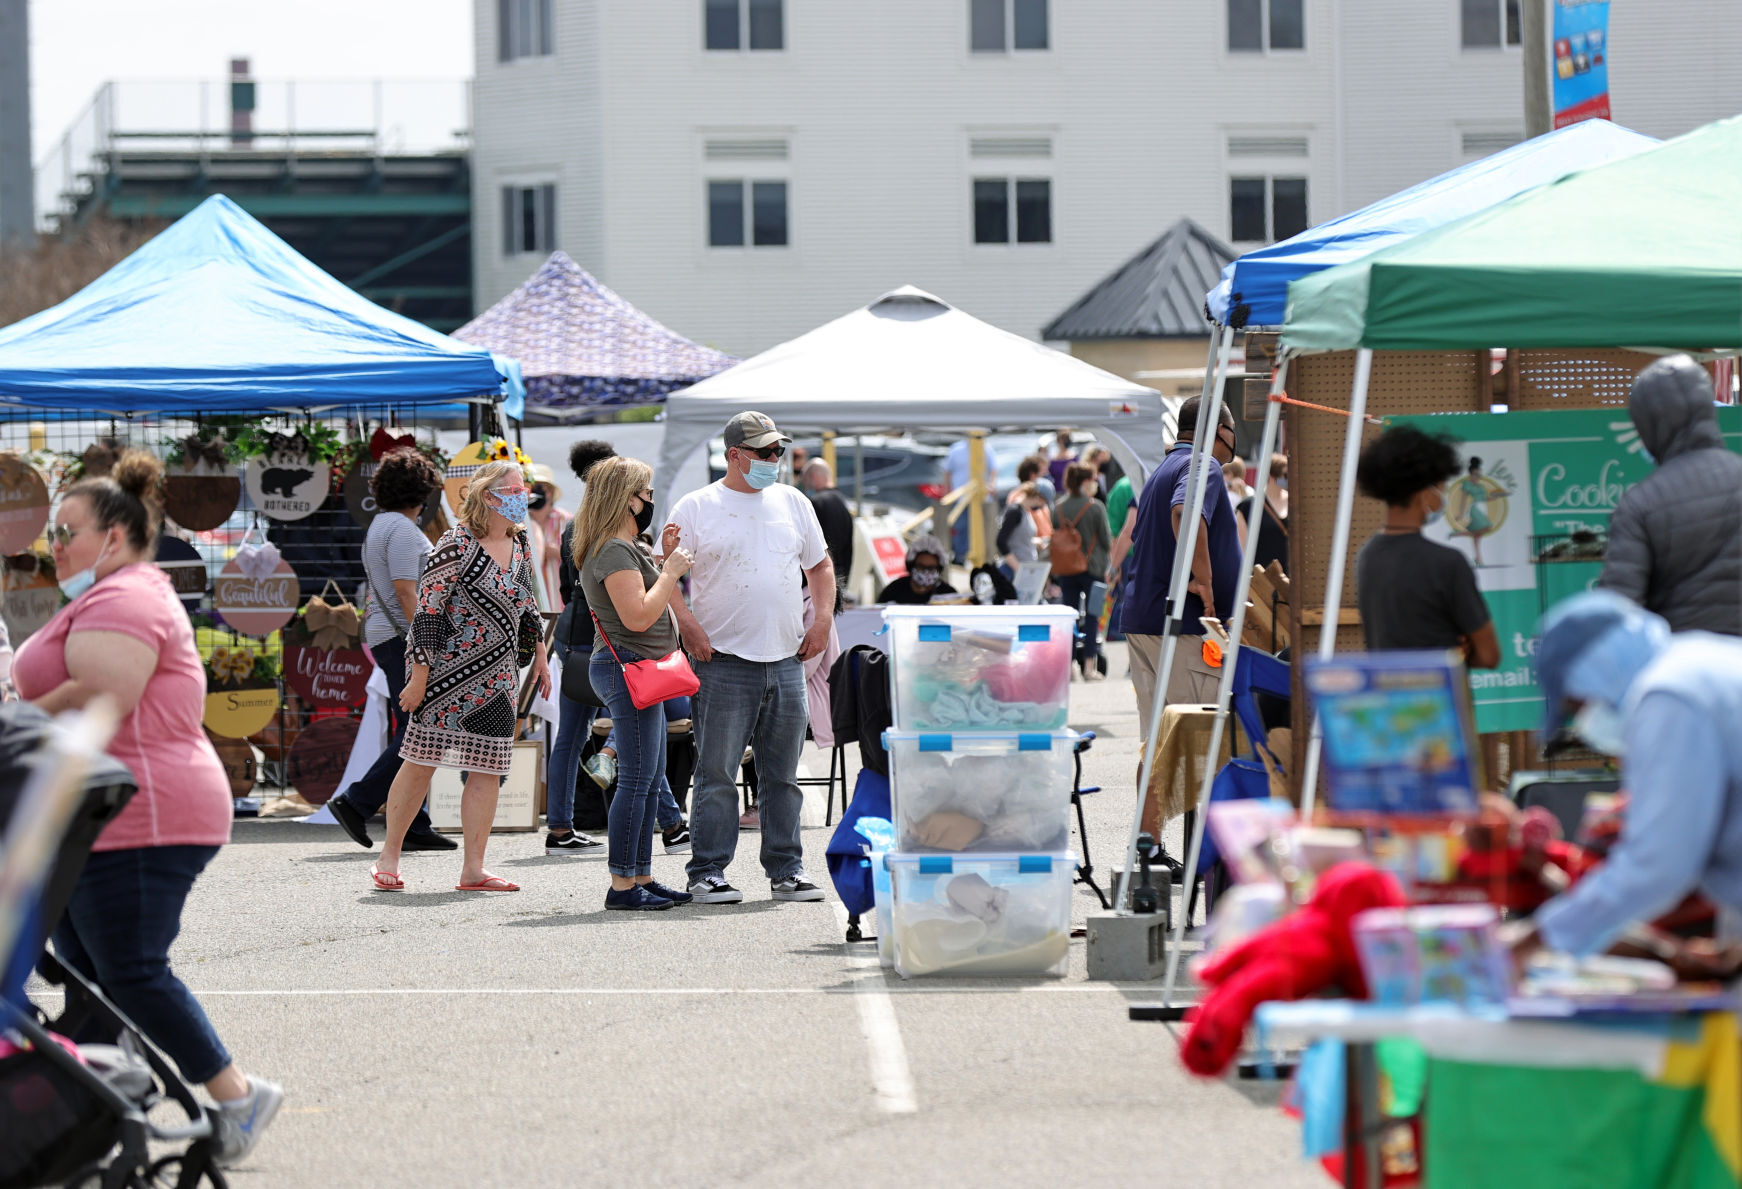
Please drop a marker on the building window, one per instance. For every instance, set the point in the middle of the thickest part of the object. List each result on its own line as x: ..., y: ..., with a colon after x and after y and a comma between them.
x: 747, y: 212
x: 1265, y: 209
x: 1255, y: 24
x: 1486, y: 22
x: 528, y: 220
x: 741, y: 24
x: 999, y: 26
x: 1004, y: 205
x: 523, y: 29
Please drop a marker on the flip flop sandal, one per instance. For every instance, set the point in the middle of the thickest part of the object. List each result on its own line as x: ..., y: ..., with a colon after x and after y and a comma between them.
x: 490, y: 883
x: 385, y: 881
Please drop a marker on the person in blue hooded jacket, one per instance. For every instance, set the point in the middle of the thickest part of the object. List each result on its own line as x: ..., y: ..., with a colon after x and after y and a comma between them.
x: 1613, y: 675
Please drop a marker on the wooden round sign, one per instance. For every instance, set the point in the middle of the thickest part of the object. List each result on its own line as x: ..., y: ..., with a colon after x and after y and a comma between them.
x: 238, y: 713
x: 323, y: 675
x: 200, y: 498
x: 256, y: 604
x: 286, y: 486
x: 360, y: 497
x: 319, y: 756
x: 28, y: 599
x: 185, y: 567
x: 23, y: 504
x: 238, y: 759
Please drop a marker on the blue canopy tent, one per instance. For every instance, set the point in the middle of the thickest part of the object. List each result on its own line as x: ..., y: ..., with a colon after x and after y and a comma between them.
x: 217, y: 314
x: 1254, y: 289
x: 582, y: 347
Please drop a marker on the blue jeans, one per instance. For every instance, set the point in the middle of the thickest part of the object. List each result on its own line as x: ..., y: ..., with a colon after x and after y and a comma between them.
x: 1073, y: 591
x: 124, y: 914
x: 760, y: 704
x: 666, y: 810
x: 572, y: 725
x: 368, y: 795
x: 640, y: 745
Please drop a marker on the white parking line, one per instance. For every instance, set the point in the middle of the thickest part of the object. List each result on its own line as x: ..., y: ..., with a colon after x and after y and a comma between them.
x: 890, y: 1077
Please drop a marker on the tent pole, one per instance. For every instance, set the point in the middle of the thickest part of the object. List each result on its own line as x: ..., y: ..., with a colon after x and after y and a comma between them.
x: 859, y: 473
x: 829, y: 453
x: 1339, y: 556
x: 1209, y: 414
x: 975, y: 499
x: 1230, y: 661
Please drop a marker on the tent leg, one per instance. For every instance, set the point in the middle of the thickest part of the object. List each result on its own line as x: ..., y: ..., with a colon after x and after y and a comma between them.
x: 1339, y: 557
x: 1225, y: 688
x: 1209, y: 414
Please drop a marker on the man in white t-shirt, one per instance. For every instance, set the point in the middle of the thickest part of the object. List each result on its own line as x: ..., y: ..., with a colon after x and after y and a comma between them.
x: 756, y: 543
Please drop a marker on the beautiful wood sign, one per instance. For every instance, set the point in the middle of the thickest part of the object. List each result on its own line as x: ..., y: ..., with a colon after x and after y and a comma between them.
x: 256, y: 591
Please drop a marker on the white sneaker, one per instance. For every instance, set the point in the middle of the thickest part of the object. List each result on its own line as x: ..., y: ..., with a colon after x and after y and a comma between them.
x: 241, y: 1124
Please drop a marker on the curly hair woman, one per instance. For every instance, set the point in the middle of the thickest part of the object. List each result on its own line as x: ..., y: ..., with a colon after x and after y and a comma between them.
x: 125, y: 636
x: 476, y: 614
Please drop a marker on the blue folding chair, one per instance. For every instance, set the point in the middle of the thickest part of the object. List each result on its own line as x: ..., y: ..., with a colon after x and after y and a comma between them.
x: 1244, y: 777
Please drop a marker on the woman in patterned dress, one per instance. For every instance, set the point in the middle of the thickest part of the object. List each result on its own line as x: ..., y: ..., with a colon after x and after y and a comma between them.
x: 475, y: 611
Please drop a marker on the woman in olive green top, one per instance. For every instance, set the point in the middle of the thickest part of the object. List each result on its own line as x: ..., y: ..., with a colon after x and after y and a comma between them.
x: 630, y: 599
x: 1080, y: 508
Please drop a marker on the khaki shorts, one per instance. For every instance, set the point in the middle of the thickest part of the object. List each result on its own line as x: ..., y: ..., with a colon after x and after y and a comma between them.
x: 1191, y: 682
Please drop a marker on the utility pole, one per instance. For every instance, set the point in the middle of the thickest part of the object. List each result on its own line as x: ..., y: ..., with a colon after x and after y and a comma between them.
x: 1538, y: 111
x: 17, y: 175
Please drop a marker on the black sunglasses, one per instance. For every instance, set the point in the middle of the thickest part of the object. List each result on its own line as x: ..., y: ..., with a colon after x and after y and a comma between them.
x: 766, y: 453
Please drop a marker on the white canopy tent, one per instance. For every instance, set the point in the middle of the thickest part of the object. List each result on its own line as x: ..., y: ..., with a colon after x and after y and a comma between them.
x: 911, y: 361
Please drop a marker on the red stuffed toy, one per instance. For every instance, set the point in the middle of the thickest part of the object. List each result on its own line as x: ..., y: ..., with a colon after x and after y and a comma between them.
x: 1304, y: 953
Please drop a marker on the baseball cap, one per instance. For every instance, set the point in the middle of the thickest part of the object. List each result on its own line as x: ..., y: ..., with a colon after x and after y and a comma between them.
x: 752, y: 429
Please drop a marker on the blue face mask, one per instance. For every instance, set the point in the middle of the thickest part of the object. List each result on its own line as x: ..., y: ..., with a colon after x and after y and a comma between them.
x: 512, y: 507
x: 74, y: 585
x: 1602, y: 728
x: 762, y: 474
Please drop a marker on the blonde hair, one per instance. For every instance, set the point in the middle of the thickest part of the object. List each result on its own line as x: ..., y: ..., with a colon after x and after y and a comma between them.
x: 474, y: 508
x: 611, y: 484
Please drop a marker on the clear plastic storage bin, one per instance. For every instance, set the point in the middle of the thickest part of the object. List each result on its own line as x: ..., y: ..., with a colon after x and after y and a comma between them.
x: 996, y: 916
x: 981, y: 668
x: 1000, y: 791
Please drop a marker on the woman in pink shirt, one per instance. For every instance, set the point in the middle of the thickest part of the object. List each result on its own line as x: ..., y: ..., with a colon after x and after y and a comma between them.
x: 125, y: 636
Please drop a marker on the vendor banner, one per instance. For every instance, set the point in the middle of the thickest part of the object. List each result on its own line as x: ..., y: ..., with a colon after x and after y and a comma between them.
x: 1530, y: 511
x: 1579, y: 61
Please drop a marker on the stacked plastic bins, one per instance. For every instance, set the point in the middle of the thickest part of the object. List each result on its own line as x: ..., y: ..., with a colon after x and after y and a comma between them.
x: 980, y: 766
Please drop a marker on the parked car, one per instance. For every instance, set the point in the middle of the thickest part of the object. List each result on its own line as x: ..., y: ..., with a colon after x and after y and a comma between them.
x: 899, y: 472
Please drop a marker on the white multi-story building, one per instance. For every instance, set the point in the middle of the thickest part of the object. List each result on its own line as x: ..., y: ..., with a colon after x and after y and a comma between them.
x: 746, y: 169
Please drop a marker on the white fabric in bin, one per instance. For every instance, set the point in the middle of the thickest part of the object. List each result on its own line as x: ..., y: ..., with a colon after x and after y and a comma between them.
x: 996, y: 793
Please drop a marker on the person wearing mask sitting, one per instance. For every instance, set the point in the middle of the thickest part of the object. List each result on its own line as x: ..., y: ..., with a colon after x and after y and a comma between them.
x: 924, y: 577
x: 1413, y: 592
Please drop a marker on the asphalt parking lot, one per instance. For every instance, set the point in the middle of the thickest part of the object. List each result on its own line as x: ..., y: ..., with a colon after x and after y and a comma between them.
x: 440, y: 1038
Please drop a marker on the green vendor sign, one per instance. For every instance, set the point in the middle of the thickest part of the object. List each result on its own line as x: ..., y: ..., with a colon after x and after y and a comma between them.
x: 1534, y: 484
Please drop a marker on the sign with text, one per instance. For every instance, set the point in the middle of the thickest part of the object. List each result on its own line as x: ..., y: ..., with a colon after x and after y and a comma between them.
x: 1527, y: 478
x: 516, y: 806
x: 1579, y: 60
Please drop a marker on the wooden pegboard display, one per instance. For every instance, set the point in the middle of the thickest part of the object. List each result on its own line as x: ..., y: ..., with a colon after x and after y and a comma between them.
x: 1403, y: 382
x: 1582, y: 379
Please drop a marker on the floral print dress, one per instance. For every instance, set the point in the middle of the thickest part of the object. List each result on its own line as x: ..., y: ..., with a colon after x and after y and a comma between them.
x: 474, y: 620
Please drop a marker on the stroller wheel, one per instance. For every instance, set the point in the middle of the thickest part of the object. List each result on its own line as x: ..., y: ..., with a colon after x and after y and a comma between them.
x: 167, y: 1174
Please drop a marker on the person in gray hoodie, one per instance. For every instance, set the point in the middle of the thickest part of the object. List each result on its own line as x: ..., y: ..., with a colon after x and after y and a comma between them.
x: 1675, y: 539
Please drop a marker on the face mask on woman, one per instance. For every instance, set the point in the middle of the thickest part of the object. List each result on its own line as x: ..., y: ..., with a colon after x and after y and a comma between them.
x: 74, y: 585
x: 644, y: 517
x: 512, y: 506
x: 925, y: 579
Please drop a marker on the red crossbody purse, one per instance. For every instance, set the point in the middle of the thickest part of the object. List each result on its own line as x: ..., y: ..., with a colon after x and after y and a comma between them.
x: 651, y: 682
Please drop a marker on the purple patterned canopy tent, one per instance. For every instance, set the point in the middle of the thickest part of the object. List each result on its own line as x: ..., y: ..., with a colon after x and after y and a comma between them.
x: 581, y: 346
